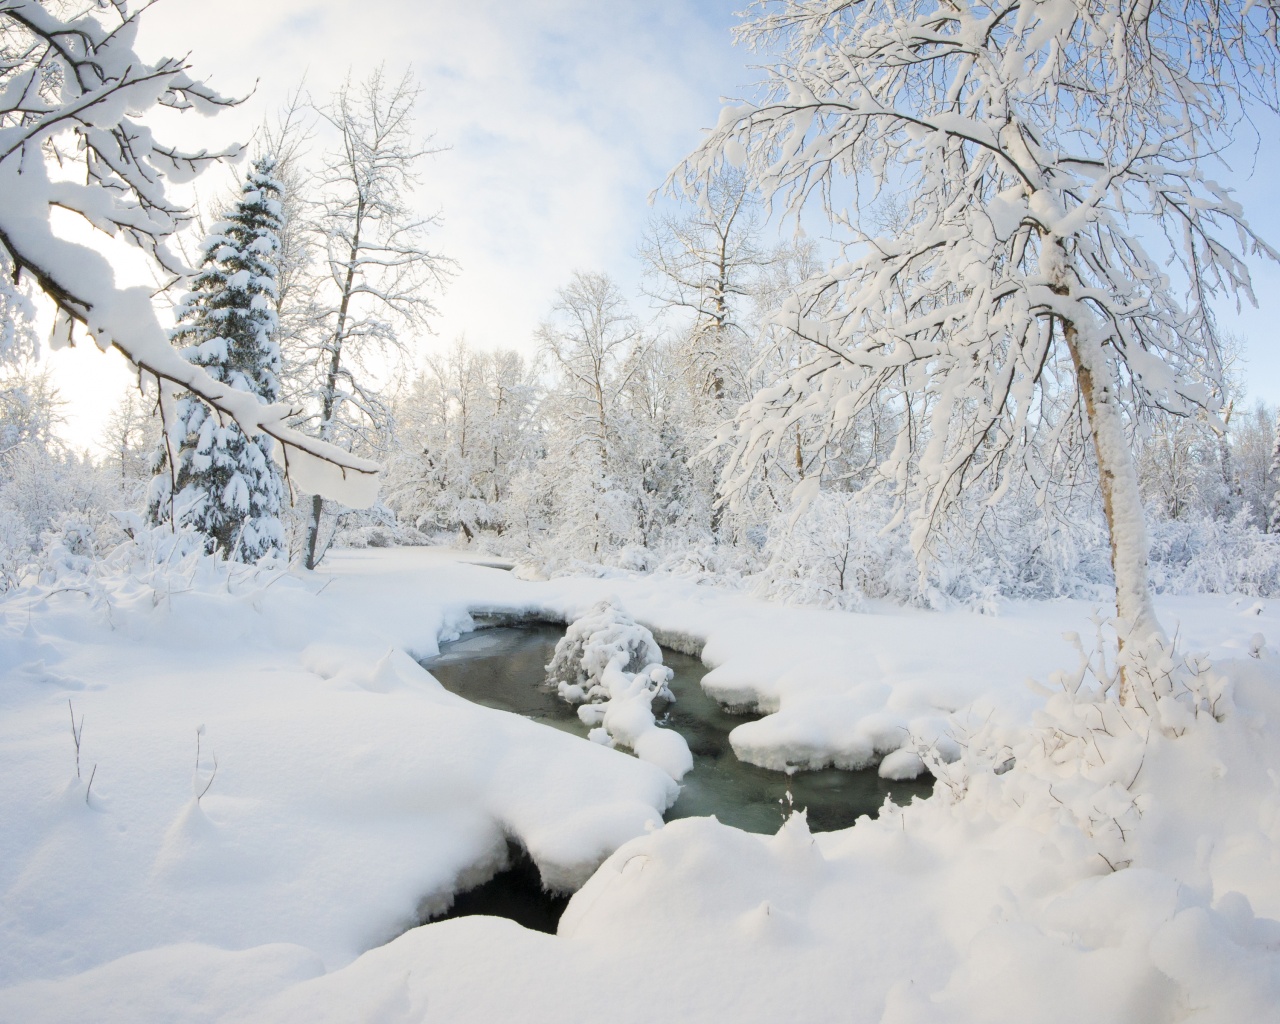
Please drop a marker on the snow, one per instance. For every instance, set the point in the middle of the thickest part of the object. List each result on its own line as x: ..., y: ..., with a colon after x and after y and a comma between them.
x: 609, y: 659
x: 351, y: 790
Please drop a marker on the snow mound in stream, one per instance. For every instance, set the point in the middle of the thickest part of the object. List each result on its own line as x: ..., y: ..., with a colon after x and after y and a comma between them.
x: 612, y: 666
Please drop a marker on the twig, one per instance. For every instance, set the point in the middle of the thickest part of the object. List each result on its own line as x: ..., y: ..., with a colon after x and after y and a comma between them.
x: 1141, y: 761
x: 89, y: 788
x: 76, y: 734
x: 196, y: 775
x: 211, y: 778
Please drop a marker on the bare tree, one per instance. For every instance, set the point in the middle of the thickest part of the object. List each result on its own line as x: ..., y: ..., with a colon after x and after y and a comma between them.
x: 287, y: 138
x: 589, y: 338
x: 374, y: 294
x: 706, y: 263
x: 131, y: 437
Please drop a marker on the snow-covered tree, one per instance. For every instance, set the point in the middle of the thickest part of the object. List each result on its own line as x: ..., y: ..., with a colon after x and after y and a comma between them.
x: 1036, y: 145
x: 374, y: 294
x: 222, y: 483
x: 466, y: 427
x: 708, y: 265
x: 130, y: 439
x: 48, y: 492
x: 705, y: 263
x: 73, y: 97
x: 1273, y: 523
x: 1178, y: 467
x: 1252, y: 440
x: 590, y: 339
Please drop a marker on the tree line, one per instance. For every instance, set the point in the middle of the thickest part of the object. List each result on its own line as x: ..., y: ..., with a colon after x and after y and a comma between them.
x: 946, y: 410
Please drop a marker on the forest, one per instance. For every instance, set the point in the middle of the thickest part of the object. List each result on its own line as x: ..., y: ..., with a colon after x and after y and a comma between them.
x: 611, y: 446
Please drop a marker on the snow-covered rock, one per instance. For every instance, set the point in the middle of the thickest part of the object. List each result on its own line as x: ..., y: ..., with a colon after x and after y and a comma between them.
x: 613, y: 664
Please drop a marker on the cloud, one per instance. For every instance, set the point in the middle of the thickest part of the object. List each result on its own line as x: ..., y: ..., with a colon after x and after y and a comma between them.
x: 560, y: 117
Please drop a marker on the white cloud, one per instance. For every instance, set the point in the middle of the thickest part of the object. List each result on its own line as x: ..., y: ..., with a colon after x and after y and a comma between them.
x: 561, y: 116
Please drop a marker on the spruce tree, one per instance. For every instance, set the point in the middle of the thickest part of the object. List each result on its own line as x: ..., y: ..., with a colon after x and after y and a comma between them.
x: 227, y: 486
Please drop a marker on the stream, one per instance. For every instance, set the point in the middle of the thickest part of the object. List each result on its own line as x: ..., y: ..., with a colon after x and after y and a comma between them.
x: 505, y: 668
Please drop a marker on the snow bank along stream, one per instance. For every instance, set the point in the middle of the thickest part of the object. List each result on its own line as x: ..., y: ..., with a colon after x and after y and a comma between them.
x: 505, y: 667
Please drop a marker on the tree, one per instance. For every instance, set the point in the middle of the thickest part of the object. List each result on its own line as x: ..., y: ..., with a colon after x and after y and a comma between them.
x: 298, y: 313
x: 72, y: 95
x: 465, y: 429
x: 709, y: 264
x: 1252, y: 442
x: 374, y: 292
x: 706, y: 263
x: 1273, y: 522
x: 1036, y: 145
x: 130, y: 440
x: 225, y: 484
x: 589, y: 338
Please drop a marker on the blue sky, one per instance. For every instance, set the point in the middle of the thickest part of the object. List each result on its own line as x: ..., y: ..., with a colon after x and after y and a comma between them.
x: 562, y: 116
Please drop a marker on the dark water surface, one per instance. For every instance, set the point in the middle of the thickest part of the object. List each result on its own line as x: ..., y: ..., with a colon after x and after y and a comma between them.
x: 505, y: 668
x: 515, y: 894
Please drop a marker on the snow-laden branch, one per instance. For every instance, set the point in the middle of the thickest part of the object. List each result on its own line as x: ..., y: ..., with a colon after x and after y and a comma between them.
x: 72, y: 92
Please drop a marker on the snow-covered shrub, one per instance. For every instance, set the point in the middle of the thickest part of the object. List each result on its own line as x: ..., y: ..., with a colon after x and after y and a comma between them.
x: 14, y: 553
x: 70, y: 547
x: 148, y: 547
x: 612, y: 666
x: 1214, y: 556
x: 834, y: 553
x: 722, y: 564
x: 53, y: 504
x: 606, y: 635
x: 375, y: 527
x: 1080, y: 761
x: 635, y: 558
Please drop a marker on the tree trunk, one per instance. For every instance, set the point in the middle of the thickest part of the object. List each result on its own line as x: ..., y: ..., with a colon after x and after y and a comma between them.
x: 330, y: 401
x: 1121, y: 501
x: 313, y: 532
x: 1117, y: 473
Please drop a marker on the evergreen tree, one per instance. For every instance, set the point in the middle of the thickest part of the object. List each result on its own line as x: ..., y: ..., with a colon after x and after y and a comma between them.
x: 227, y: 486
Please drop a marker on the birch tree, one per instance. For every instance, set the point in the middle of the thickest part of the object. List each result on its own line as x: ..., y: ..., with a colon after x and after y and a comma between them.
x: 1064, y: 242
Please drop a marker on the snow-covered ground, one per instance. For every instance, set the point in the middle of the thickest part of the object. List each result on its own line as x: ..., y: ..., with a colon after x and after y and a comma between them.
x: 352, y: 793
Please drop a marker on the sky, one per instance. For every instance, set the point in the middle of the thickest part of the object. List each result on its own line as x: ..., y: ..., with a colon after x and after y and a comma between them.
x: 557, y: 120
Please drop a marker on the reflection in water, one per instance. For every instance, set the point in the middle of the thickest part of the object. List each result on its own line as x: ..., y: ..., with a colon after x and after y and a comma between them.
x: 504, y: 668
